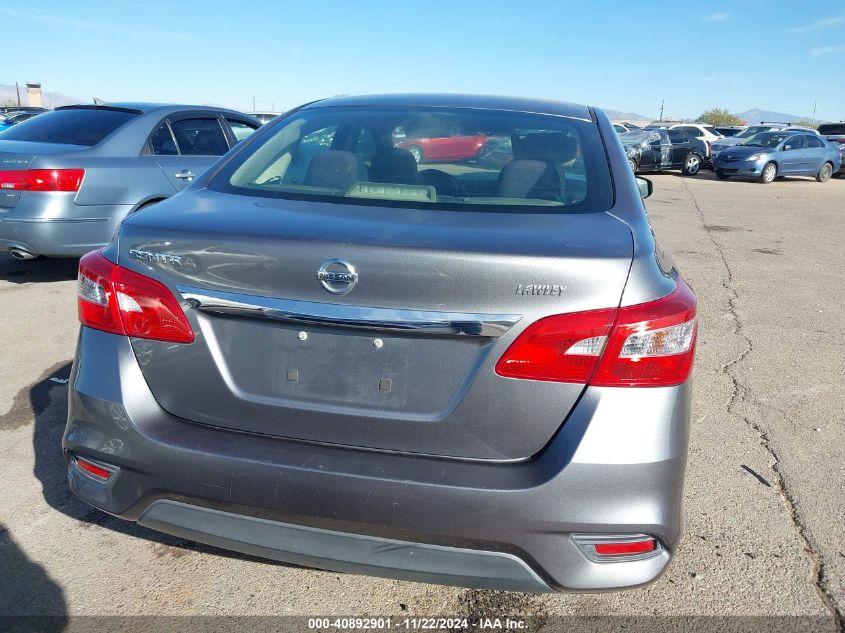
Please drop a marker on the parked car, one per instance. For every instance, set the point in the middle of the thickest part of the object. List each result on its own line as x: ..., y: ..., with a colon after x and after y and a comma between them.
x: 263, y: 116
x: 380, y: 348
x: 753, y: 130
x: 443, y: 144
x: 628, y: 126
x: 7, y: 110
x: 14, y: 118
x: 729, y: 130
x: 701, y: 131
x: 773, y: 154
x: 664, y: 149
x: 661, y: 125
x: 834, y: 133
x: 68, y: 177
x: 620, y: 129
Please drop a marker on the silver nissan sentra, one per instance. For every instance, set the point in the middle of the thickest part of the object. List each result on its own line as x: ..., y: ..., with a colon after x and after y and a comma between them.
x: 473, y: 370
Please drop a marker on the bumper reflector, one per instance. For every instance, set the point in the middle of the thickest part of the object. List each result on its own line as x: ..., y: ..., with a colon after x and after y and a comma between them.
x: 625, y: 549
x: 93, y: 469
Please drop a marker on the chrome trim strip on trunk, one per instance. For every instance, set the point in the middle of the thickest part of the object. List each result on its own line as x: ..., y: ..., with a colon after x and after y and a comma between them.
x: 361, y: 317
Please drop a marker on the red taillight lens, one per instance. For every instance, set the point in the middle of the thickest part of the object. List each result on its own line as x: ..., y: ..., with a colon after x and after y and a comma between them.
x: 42, y: 179
x: 653, y: 344
x: 625, y: 549
x: 561, y: 348
x: 649, y: 344
x: 121, y: 301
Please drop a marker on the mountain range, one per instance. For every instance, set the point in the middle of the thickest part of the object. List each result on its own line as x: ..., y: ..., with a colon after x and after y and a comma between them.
x: 755, y: 116
x: 8, y: 96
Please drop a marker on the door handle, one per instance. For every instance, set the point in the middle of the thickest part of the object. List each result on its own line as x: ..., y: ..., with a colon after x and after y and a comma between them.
x: 185, y: 174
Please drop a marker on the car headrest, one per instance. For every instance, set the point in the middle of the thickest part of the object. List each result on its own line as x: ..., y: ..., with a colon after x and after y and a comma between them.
x: 335, y: 169
x: 394, y: 165
x: 530, y: 179
x: 207, y: 143
x: 557, y: 147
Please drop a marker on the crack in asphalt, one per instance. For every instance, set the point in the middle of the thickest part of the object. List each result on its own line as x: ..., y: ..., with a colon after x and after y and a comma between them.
x: 740, y: 394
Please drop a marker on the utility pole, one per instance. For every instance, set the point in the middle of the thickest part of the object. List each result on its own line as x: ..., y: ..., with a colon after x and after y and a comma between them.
x: 253, y: 103
x: 662, y: 101
x: 815, y: 105
x: 18, y: 90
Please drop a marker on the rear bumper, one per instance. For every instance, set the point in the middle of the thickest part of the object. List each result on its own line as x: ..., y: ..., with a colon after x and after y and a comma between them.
x: 616, y: 467
x: 53, y: 225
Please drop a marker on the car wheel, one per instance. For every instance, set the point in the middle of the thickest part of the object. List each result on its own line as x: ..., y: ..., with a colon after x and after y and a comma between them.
x: 770, y: 172
x: 416, y: 152
x: 692, y: 165
x: 633, y: 164
x: 825, y: 173
x: 721, y: 175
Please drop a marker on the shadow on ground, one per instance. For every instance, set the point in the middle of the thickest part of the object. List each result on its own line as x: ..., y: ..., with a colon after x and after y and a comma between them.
x: 30, y: 600
x: 36, y: 270
x: 47, y: 404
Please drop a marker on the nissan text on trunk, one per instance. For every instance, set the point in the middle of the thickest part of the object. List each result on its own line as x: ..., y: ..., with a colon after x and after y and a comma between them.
x: 472, y: 371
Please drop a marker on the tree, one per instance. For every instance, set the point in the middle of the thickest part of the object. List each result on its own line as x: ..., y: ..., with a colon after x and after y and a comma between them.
x: 719, y: 116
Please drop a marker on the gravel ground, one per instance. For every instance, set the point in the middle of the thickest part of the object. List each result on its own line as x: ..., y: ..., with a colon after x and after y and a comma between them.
x: 765, y: 491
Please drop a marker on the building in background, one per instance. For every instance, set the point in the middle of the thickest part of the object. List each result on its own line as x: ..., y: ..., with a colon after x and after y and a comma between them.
x: 33, y: 92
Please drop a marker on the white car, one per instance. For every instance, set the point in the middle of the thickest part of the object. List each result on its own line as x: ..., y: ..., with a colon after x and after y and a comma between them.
x: 702, y: 131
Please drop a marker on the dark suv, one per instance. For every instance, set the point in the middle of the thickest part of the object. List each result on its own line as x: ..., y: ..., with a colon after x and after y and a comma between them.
x: 835, y: 133
x: 662, y: 150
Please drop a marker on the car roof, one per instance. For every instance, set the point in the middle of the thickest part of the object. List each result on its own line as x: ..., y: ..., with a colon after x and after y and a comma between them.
x: 483, y: 102
x: 145, y: 108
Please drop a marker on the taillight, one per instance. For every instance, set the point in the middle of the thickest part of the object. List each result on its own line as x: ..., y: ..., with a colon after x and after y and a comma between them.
x: 42, y: 179
x: 121, y: 301
x: 649, y: 344
x: 561, y: 348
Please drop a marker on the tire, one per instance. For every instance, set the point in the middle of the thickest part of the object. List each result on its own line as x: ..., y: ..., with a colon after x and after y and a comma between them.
x: 721, y: 175
x: 692, y: 164
x: 770, y: 172
x: 417, y: 153
x: 825, y: 173
x: 633, y: 165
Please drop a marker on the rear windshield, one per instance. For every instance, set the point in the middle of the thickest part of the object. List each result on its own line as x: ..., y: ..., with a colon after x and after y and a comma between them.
x: 427, y: 157
x: 832, y: 128
x: 76, y: 126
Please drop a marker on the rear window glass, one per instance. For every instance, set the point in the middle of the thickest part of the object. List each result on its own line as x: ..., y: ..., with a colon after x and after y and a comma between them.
x: 832, y: 128
x: 76, y: 126
x: 427, y: 157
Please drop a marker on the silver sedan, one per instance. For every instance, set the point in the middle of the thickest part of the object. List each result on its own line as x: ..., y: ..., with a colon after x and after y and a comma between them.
x: 69, y: 177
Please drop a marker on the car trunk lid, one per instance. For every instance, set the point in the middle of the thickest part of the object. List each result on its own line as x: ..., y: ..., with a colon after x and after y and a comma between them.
x: 18, y: 156
x: 404, y: 360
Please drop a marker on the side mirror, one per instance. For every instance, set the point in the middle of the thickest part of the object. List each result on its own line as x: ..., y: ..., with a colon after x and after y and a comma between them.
x: 645, y: 186
x: 787, y: 147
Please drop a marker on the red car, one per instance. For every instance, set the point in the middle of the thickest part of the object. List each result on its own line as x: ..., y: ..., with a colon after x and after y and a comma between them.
x: 432, y: 148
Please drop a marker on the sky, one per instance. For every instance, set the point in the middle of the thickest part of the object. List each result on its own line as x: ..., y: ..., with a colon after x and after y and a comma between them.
x: 737, y: 54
